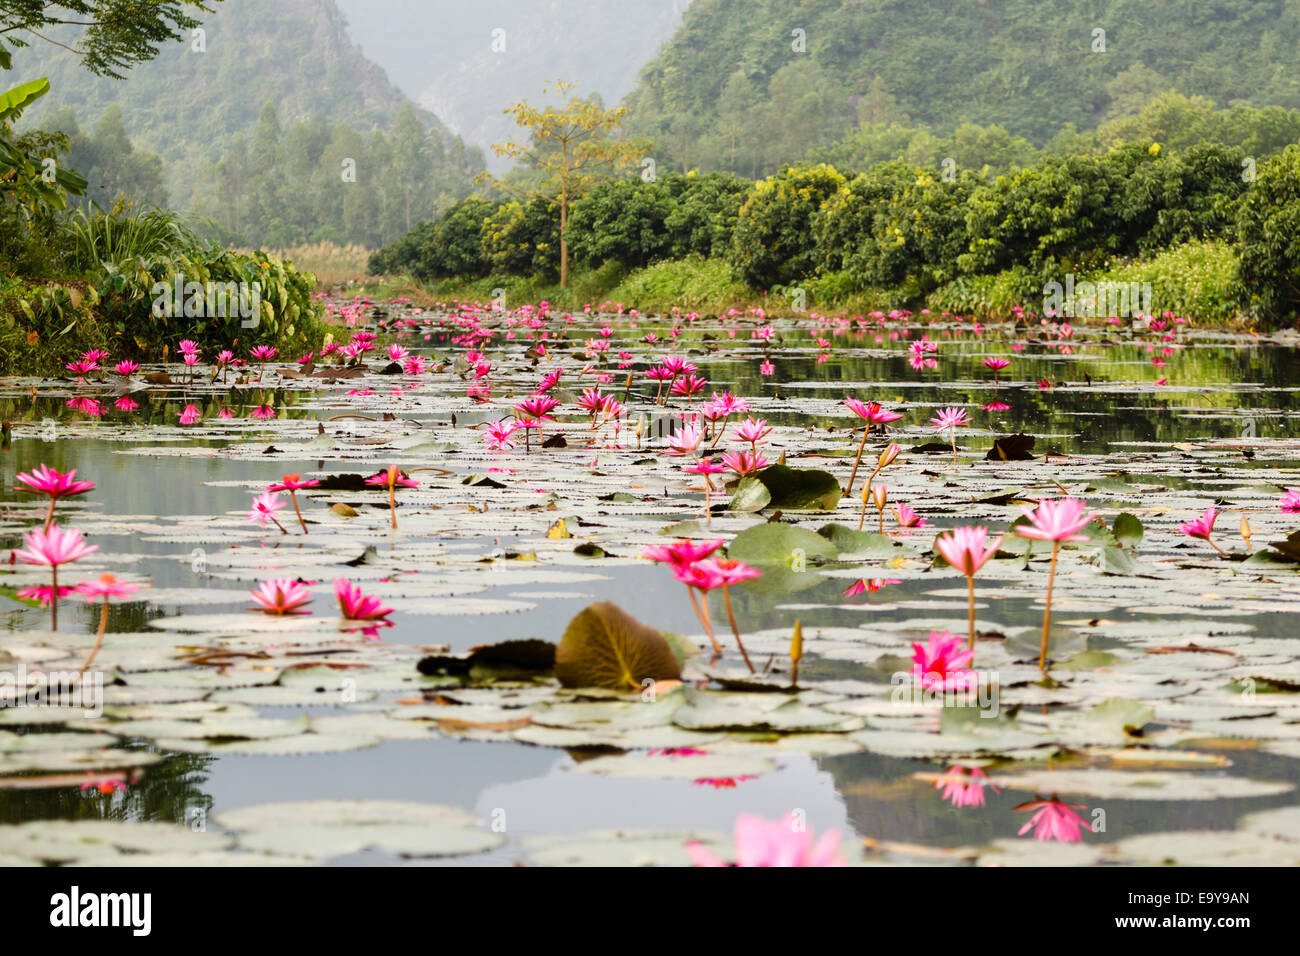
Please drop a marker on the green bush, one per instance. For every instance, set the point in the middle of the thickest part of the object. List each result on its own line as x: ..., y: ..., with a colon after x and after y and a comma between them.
x: 773, y: 242
x: 1195, y: 280
x: 696, y: 284
x: 1268, y: 240
x: 137, y: 300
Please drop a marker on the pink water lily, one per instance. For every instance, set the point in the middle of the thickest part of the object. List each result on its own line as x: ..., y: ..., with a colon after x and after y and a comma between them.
x: 963, y: 786
x: 908, y: 518
x: 1291, y: 502
x: 264, y: 508
x: 281, y: 596
x: 950, y: 419
x: 53, y: 547
x: 865, y: 586
x: 940, y: 663
x: 1054, y: 820
x: 44, y: 480
x: 744, y: 462
x: 392, y: 479
x: 786, y: 842
x: 874, y: 414
x: 356, y: 606
x: 968, y: 549
x: 1056, y: 521
x: 753, y: 430
x: 498, y: 434
x: 1203, y: 527
x: 105, y: 588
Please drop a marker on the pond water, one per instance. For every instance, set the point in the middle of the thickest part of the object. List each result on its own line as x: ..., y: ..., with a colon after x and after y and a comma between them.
x: 1158, y: 423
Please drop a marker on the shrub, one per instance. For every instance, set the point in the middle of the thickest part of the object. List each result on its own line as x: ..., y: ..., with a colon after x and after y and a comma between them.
x: 1268, y: 240
x: 773, y: 243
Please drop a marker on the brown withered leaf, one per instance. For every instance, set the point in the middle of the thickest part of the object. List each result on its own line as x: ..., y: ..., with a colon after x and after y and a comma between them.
x: 606, y: 647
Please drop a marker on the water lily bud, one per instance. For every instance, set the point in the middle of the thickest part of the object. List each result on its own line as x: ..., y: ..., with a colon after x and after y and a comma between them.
x: 888, y: 455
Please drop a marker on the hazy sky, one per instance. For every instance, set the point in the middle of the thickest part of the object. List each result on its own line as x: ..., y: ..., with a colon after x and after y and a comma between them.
x: 446, y: 56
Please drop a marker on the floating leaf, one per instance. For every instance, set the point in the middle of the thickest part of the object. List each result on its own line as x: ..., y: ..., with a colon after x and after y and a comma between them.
x: 605, y: 647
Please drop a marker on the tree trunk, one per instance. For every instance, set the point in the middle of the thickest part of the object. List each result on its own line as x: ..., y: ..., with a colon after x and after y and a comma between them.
x: 564, y: 243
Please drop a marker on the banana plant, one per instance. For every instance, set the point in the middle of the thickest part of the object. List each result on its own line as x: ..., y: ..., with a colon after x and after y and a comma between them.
x: 30, y: 180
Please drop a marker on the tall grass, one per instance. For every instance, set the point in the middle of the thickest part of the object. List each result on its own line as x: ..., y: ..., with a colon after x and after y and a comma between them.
x: 98, y: 238
x: 332, y: 264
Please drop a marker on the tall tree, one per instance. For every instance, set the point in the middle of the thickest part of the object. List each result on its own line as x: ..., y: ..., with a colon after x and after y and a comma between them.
x: 570, y: 148
x: 112, y: 35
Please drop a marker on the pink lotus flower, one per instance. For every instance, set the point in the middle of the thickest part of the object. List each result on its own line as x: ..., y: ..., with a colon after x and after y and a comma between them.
x: 962, y: 786
x: 681, y: 552
x: 43, y: 480
x: 263, y: 353
x: 940, y: 663
x: 685, y: 439
x: 728, y: 571
x: 43, y: 594
x: 356, y: 606
x: 188, y: 346
x: 865, y: 586
x: 754, y: 430
x: 1054, y: 820
x: 293, y: 483
x: 784, y: 843
x: 872, y: 412
x: 1291, y: 502
x: 995, y: 363
x: 951, y: 419
x: 52, y: 547
x: 281, y: 596
x: 264, y: 508
x: 190, y: 415
x: 689, y: 386
x: 908, y: 518
x: 967, y: 549
x: 1056, y: 520
x: 766, y: 368
x: 497, y: 434
x: 126, y: 404
x: 1202, y: 528
x: 392, y: 479
x: 105, y: 587
x: 126, y: 367
x: 744, y: 462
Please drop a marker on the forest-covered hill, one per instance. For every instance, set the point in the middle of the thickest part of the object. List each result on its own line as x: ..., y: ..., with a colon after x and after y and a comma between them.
x: 748, y: 85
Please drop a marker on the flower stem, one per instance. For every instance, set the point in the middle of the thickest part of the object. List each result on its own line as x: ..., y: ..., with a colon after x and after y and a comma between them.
x: 1047, y: 611
x: 970, y: 605
x: 54, y: 596
x: 392, y: 504
x: 99, y: 638
x: 731, y: 616
x: 703, y: 615
x: 866, y: 430
x: 49, y: 515
x: 952, y: 434
x: 294, y: 498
